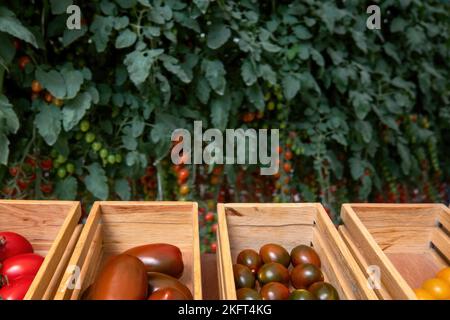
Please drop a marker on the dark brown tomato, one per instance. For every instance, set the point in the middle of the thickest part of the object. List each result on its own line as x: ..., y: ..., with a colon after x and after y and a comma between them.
x: 251, y: 259
x: 324, y: 291
x: 274, y: 291
x: 243, y: 276
x: 273, y: 272
x: 301, y: 294
x: 304, y: 254
x: 248, y: 294
x: 304, y: 275
x: 158, y: 281
x: 275, y: 253
x: 160, y: 257
x: 167, y: 294
x: 122, y: 278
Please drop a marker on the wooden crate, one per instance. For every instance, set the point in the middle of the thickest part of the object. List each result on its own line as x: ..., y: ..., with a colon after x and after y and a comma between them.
x: 113, y: 227
x: 250, y: 226
x: 408, y: 242
x: 52, y: 228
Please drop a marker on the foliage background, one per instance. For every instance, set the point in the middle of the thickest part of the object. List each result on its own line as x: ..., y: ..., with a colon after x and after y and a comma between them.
x: 364, y: 115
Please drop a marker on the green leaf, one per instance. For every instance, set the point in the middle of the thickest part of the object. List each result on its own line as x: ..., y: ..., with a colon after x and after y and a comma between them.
x: 405, y: 155
x: 123, y: 189
x: 398, y: 24
x: 256, y: 96
x: 48, y: 122
x: 365, y: 130
x: 218, y: 35
x: 97, y: 182
x: 220, y: 109
x: 53, y: 81
x: 14, y: 27
x: 125, y: 39
x: 356, y: 168
x: 202, y: 5
x: 101, y: 28
x: 302, y: 32
x: 73, y: 80
x: 203, y: 90
x: 173, y: 66
x: 139, y: 64
x: 248, y: 72
x: 8, y: 118
x: 215, y: 74
x: 361, y: 103
x: 74, y: 110
x: 67, y: 189
x: 4, y: 149
x: 268, y: 74
x: 70, y: 36
x: 60, y: 6
x: 291, y: 86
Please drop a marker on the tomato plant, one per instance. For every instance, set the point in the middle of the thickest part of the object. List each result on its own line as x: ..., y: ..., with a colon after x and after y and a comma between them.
x: 364, y: 121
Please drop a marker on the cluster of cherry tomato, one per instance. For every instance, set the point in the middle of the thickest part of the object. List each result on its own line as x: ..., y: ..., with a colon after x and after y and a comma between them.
x: 267, y: 275
x: 149, y: 183
x: 18, y: 266
x: 437, y: 288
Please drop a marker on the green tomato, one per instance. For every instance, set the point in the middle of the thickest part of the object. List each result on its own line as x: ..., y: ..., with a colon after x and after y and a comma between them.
x: 104, y: 153
x: 111, y: 159
x: 60, y: 159
x: 84, y: 126
x: 53, y: 153
x: 89, y: 137
x: 96, y: 146
x: 62, y: 173
x: 70, y: 167
x: 118, y: 158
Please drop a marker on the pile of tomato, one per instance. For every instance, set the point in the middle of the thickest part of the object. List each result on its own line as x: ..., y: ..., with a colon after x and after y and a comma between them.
x: 437, y: 288
x: 148, y: 272
x: 267, y: 275
x: 18, y: 266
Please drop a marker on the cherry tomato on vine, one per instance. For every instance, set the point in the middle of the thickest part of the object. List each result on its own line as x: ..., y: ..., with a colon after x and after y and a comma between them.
x: 288, y: 155
x: 22, y: 185
x: 118, y: 158
x: 13, y: 171
x: 48, y: 97
x: 23, y: 62
x: 84, y: 126
x: 184, y: 189
x: 111, y: 159
x: 89, y: 137
x: 209, y: 217
x: 62, y: 172
x: 183, y: 174
x: 96, y: 146
x: 36, y: 86
x: 104, y: 153
x: 58, y: 102
x: 287, y: 167
x: 46, y: 188
x: 46, y: 164
x: 70, y: 168
x: 60, y: 159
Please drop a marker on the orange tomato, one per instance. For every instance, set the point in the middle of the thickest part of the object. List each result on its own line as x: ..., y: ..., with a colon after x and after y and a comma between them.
x: 444, y: 274
x: 438, y: 288
x: 422, y: 294
x: 36, y: 86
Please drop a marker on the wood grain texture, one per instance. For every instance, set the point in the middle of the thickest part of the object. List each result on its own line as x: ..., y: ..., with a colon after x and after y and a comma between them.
x: 49, y: 226
x: 243, y: 226
x: 401, y: 240
x: 128, y: 224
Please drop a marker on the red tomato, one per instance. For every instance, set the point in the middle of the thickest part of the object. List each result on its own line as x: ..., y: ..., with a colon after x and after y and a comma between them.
x: 23, y: 61
x: 46, y: 188
x: 12, y: 244
x: 167, y: 294
x: 213, y: 247
x: 13, y: 171
x: 16, y: 290
x: 209, y: 217
x: 19, y: 266
x: 183, y: 174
